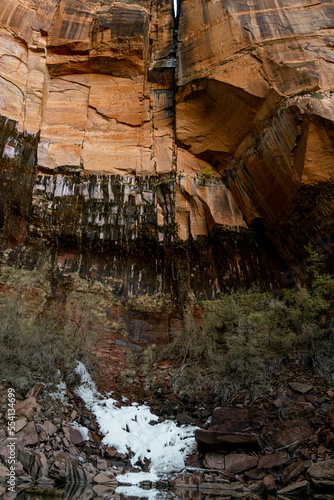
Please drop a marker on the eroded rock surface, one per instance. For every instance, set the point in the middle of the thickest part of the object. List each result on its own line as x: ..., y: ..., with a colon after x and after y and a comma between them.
x: 120, y: 124
x: 255, y: 100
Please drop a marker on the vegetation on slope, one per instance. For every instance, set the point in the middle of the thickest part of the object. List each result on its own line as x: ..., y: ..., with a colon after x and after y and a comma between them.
x: 242, y: 344
x: 248, y: 341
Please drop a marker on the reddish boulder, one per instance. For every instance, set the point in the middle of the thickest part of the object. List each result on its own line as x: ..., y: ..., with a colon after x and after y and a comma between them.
x: 271, y: 460
x: 230, y: 420
x: 239, y: 462
x: 301, y: 409
x: 293, y: 431
x: 269, y: 483
x: 300, y: 387
x: 321, y: 475
x: 26, y: 408
x: 214, y: 461
x: 193, y: 460
x: 78, y: 436
x: 111, y: 452
x: 34, y: 463
x: 34, y: 391
x: 67, y: 469
x: 300, y: 490
x: 294, y: 470
x: 219, y: 441
x: 50, y: 428
x: 106, y: 478
x: 28, y: 435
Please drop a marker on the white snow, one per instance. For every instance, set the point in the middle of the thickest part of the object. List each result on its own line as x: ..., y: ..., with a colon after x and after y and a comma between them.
x: 135, y: 428
x: 60, y: 392
x: 138, y: 477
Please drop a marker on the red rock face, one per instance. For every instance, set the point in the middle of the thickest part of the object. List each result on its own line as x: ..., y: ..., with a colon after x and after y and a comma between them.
x: 255, y: 99
x: 121, y: 134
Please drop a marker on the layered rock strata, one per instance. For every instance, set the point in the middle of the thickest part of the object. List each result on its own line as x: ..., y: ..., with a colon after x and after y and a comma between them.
x: 255, y: 99
x: 198, y: 138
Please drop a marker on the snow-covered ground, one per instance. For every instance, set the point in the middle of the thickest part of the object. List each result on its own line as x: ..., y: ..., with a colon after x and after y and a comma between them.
x: 164, y: 444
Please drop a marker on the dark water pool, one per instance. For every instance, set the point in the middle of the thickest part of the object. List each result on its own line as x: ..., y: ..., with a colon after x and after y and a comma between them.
x: 85, y: 492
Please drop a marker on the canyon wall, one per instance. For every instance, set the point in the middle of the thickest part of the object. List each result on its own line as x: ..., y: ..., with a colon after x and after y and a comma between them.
x: 255, y: 99
x: 161, y: 155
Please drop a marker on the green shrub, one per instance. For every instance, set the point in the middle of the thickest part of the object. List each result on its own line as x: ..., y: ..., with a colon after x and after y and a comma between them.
x: 247, y: 341
x: 208, y: 172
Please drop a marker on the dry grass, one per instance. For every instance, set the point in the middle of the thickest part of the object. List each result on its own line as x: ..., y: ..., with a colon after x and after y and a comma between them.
x: 35, y: 346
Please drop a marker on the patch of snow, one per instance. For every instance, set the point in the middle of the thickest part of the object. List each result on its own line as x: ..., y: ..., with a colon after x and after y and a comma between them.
x: 137, y: 477
x: 135, y: 428
x: 60, y: 392
x: 87, y: 390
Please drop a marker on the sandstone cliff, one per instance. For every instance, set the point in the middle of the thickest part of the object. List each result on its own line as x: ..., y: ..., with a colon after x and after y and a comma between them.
x: 255, y: 99
x: 166, y: 154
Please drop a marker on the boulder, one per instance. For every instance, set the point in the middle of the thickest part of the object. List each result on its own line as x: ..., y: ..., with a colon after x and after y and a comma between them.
x: 67, y: 469
x: 269, y: 483
x: 28, y: 435
x: 101, y: 464
x: 76, y: 434
x: 293, y: 431
x: 42, y: 434
x: 239, y: 462
x: 321, y: 475
x: 113, y: 453
x: 106, y: 478
x: 20, y: 423
x: 193, y: 460
x: 214, y: 461
x: 219, y: 441
x: 230, y: 420
x: 3, y: 473
x: 300, y: 387
x: 34, y: 463
x: 294, y: 470
x: 296, y: 490
x: 301, y: 409
x: 184, y: 419
x: 271, y: 460
x: 26, y: 408
x: 50, y: 428
x: 34, y: 391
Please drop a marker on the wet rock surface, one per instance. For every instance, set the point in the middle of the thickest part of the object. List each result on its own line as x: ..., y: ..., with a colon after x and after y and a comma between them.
x: 110, y: 142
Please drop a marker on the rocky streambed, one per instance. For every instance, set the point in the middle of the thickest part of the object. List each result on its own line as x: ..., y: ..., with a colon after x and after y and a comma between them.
x: 281, y: 445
